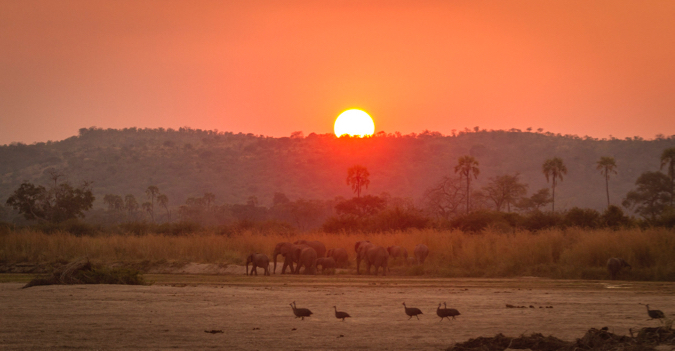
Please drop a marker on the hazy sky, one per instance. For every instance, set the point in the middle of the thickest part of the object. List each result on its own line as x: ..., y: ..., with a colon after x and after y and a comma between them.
x: 595, y: 68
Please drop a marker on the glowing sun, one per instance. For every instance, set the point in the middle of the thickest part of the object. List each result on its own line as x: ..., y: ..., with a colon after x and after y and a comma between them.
x: 355, y: 123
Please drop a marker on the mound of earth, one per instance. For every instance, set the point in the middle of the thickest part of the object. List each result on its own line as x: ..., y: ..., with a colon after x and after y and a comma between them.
x: 595, y: 339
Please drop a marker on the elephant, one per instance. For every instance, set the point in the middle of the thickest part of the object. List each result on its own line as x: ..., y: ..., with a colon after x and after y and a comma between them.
x: 421, y: 252
x: 318, y: 246
x: 359, y: 247
x: 614, y: 266
x: 305, y: 256
x: 326, y: 263
x: 359, y: 243
x: 398, y: 251
x: 287, y: 250
x: 258, y: 260
x: 372, y: 255
x: 340, y: 256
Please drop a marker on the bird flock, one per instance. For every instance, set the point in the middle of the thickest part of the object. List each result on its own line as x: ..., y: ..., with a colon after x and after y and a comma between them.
x: 409, y: 311
x: 444, y: 312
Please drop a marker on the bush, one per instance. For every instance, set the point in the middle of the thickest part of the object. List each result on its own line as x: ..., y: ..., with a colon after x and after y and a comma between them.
x: 582, y: 217
x: 136, y: 228
x: 481, y: 220
x: 398, y: 219
x: 614, y: 218
x: 339, y: 224
x: 72, y: 226
x: 542, y: 220
x: 180, y: 228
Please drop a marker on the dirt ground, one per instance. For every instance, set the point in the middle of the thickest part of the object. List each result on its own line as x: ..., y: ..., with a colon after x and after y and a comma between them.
x: 253, y: 313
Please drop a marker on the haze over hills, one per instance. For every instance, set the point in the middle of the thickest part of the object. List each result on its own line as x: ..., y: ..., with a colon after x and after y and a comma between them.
x: 188, y: 163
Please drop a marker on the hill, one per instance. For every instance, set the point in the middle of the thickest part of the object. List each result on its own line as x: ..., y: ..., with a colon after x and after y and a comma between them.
x: 188, y: 163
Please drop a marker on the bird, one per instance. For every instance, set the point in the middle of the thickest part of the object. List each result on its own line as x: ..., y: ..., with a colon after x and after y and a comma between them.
x: 655, y: 313
x: 451, y: 312
x: 300, y: 312
x: 412, y: 311
x: 341, y: 315
x: 441, y: 312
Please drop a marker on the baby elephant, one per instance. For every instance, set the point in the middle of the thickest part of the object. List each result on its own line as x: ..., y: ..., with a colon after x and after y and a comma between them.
x: 326, y: 263
x: 258, y: 260
x: 614, y: 266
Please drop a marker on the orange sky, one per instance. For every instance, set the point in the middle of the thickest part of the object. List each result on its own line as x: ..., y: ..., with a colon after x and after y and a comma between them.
x: 595, y: 68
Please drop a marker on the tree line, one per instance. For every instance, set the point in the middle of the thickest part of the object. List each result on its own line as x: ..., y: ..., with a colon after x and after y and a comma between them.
x: 447, y: 199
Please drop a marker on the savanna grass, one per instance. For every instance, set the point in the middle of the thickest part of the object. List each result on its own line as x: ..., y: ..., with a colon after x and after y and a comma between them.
x: 570, y: 254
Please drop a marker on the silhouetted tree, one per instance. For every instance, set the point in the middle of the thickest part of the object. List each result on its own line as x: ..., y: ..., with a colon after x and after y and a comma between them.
x: 53, y: 174
x: 357, y: 178
x: 130, y: 204
x: 163, y: 201
x: 505, y: 189
x: 58, y: 204
x: 553, y: 169
x: 446, y: 198
x: 606, y: 166
x: 538, y: 200
x: 114, y: 202
x: 467, y: 166
x: 651, y: 196
x: 209, y: 200
x: 151, y: 192
x: 361, y: 206
x: 668, y: 160
x: 147, y: 207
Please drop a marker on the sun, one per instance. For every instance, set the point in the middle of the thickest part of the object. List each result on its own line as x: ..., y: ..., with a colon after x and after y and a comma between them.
x: 354, y: 122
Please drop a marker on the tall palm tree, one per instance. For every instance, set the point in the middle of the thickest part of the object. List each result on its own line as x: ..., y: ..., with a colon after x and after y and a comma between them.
x: 152, y: 192
x: 606, y: 166
x: 163, y: 201
x: 357, y: 177
x: 668, y: 159
x: 554, y: 168
x: 467, y: 166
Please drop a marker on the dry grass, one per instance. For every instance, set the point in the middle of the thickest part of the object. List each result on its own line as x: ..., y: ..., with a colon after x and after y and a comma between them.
x: 572, y: 253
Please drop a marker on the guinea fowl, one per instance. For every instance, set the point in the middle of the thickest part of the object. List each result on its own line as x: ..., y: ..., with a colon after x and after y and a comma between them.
x: 655, y: 314
x: 412, y: 311
x: 341, y: 315
x: 300, y: 312
x: 441, y: 312
x: 450, y: 312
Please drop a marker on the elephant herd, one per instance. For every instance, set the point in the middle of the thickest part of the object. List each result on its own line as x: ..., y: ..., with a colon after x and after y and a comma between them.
x: 310, y: 255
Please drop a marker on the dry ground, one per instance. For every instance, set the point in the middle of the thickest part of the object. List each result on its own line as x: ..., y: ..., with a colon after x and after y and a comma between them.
x: 254, y: 313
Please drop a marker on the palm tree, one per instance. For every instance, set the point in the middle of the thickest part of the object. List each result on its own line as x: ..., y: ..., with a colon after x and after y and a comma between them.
x: 357, y: 177
x: 606, y: 166
x: 163, y: 201
x: 467, y: 166
x: 554, y: 168
x: 668, y: 159
x: 152, y: 191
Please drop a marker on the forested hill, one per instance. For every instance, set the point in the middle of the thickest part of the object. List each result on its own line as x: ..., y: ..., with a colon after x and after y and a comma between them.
x: 188, y: 163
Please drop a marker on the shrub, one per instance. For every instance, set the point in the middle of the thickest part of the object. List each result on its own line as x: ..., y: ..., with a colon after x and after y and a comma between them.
x: 180, y: 228
x: 136, y: 228
x: 398, y: 219
x: 481, y: 220
x: 538, y: 220
x: 582, y: 218
x: 614, y: 218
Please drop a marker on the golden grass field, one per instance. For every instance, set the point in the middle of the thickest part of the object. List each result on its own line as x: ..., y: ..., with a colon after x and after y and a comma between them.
x: 567, y: 254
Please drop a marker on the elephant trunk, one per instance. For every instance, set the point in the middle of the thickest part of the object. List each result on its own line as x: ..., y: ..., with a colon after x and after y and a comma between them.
x: 247, y: 267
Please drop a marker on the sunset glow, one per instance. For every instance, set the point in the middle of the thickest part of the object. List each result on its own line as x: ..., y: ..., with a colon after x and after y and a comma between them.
x: 355, y: 123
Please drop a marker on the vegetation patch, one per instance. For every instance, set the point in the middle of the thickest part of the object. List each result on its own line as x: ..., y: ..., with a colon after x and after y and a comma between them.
x: 84, y: 272
x: 594, y: 339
